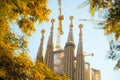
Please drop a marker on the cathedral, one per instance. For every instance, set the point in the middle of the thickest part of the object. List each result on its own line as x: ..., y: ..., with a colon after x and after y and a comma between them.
x: 75, y: 67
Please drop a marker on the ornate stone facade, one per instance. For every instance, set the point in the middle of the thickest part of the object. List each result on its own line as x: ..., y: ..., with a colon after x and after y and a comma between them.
x: 73, y: 66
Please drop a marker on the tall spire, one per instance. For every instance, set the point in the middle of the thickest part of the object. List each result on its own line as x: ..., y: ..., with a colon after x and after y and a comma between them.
x: 70, y: 36
x: 69, y: 54
x: 80, y: 26
x: 49, y: 57
x: 40, y: 50
x: 60, y: 30
x: 88, y: 71
x: 60, y: 18
x: 96, y: 74
x: 80, y: 65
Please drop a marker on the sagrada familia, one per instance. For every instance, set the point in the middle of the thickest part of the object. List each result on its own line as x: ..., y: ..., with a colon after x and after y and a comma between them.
x: 75, y: 67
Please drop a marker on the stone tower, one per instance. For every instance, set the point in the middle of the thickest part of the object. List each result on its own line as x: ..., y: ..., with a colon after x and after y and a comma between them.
x: 96, y: 74
x: 69, y: 53
x: 40, y: 50
x: 88, y: 71
x: 80, y: 63
x: 74, y: 67
x: 49, y: 56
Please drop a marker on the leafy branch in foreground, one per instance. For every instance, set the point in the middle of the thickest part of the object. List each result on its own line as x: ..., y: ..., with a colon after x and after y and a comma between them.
x: 112, y: 24
x: 24, y: 13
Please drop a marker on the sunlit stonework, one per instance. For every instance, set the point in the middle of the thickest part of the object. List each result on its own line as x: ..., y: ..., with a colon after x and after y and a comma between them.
x: 75, y: 67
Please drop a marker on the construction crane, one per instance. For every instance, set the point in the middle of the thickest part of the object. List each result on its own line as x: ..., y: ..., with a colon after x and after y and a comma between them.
x: 92, y: 20
x: 101, y: 12
x: 85, y: 3
x: 96, y: 22
x: 60, y: 30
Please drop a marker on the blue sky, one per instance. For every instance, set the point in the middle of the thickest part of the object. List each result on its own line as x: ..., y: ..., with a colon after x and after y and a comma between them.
x: 94, y: 40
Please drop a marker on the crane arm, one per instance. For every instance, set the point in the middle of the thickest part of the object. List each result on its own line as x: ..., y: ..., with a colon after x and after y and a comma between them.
x: 60, y: 31
x: 91, y: 20
x: 60, y: 18
x: 85, y: 3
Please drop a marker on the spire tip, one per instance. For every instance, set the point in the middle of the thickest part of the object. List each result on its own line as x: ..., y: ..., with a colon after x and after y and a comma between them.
x: 71, y: 17
x: 80, y: 26
x: 42, y: 31
x: 71, y: 24
x: 52, y: 20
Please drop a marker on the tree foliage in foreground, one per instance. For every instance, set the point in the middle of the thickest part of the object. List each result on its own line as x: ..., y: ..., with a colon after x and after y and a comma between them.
x: 112, y: 24
x: 20, y: 67
x: 24, y: 13
x: 15, y: 64
x: 14, y: 67
x: 44, y: 73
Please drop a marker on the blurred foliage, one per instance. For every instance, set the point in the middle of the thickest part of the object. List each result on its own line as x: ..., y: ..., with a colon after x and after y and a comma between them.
x: 98, y: 4
x: 24, y: 13
x: 41, y: 72
x: 20, y: 67
x: 112, y: 24
x: 15, y: 64
x: 117, y: 65
x: 113, y: 19
x: 14, y: 67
